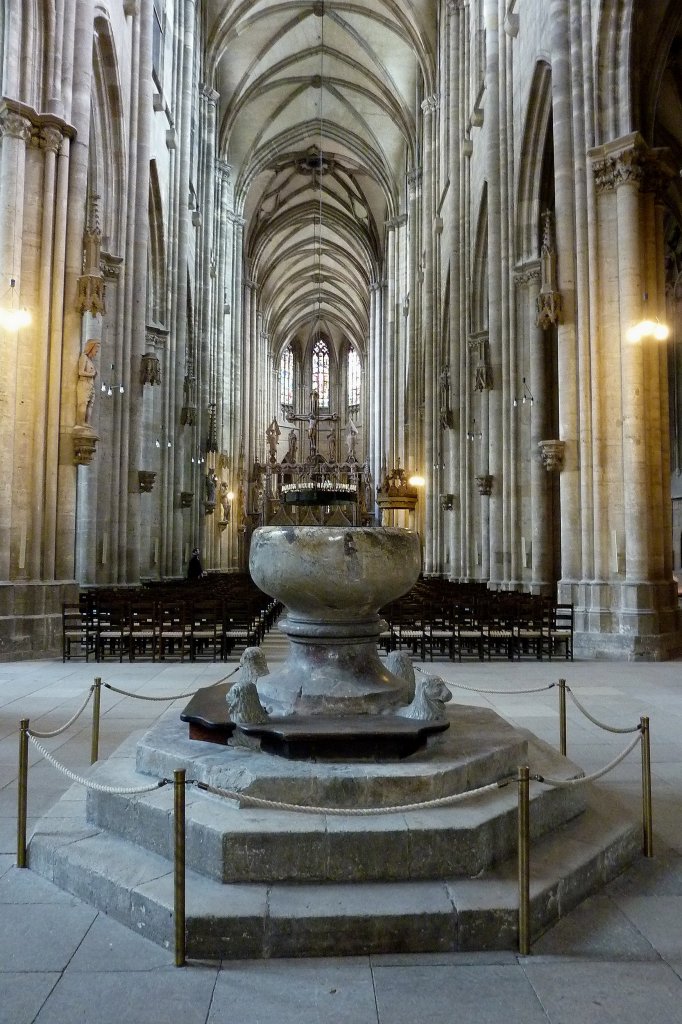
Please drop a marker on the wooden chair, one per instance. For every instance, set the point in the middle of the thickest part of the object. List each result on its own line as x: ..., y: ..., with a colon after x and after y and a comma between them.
x: 75, y: 633
x: 144, y: 629
x: 561, y: 631
x: 173, y: 630
x: 112, y: 629
x: 205, y: 620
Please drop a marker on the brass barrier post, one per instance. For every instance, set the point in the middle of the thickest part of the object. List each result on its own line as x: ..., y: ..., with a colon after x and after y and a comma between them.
x: 96, y: 698
x: 524, y: 860
x: 647, y: 814
x: 179, y: 900
x: 22, y: 793
x: 562, y: 717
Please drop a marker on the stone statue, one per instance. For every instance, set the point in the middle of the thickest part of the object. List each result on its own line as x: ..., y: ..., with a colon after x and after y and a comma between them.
x: 331, y: 439
x: 244, y: 705
x: 400, y: 664
x: 252, y: 665
x: 272, y: 437
x: 431, y: 696
x: 292, y: 450
x: 351, y: 439
x: 225, y: 501
x: 85, y: 387
x: 210, y: 484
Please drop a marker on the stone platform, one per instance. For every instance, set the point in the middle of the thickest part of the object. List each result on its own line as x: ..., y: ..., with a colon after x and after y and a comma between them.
x: 264, y: 883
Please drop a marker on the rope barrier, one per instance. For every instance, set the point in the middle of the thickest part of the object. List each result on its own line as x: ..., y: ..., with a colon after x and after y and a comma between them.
x: 48, y: 735
x: 354, y: 812
x: 178, y: 696
x: 476, y: 689
x: 88, y: 783
x: 140, y: 696
x: 595, y: 721
x: 567, y: 783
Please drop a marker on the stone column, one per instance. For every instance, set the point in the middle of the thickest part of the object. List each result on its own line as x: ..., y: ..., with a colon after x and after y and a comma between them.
x: 412, y: 446
x: 374, y: 352
x: 457, y: 382
x: 562, y: 115
x: 15, y: 131
x: 139, y: 442
x: 540, y: 480
x: 50, y: 142
x: 492, y: 508
x: 429, y: 107
x: 389, y: 361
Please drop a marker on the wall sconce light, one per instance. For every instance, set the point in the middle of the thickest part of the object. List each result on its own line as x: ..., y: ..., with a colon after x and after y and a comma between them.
x: 109, y: 389
x: 447, y: 502
x: 526, y: 394
x: 647, y: 328
x: 473, y: 434
x: 416, y: 480
x: 12, y: 317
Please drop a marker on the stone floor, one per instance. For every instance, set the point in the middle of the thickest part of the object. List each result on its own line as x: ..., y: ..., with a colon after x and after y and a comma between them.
x: 617, y: 958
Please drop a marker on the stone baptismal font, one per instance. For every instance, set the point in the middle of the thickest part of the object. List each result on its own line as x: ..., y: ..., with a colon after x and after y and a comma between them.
x: 332, y: 810
x: 333, y: 697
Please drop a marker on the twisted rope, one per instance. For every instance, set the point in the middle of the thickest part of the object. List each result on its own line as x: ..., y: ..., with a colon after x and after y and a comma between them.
x: 567, y: 783
x: 178, y: 696
x: 141, y: 696
x: 476, y: 689
x: 48, y: 735
x: 355, y: 812
x: 88, y: 783
x: 595, y: 721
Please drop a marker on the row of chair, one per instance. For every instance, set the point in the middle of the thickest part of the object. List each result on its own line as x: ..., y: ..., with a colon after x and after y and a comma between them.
x: 512, y: 627
x: 142, y: 626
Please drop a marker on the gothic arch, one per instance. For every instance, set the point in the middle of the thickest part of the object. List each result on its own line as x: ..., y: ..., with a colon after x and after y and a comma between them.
x: 108, y: 138
x: 156, y: 275
x: 537, y: 126
x: 479, y: 269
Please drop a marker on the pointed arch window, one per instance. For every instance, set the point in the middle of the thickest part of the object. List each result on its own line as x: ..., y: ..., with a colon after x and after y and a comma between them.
x: 321, y: 372
x: 286, y: 377
x: 353, y: 378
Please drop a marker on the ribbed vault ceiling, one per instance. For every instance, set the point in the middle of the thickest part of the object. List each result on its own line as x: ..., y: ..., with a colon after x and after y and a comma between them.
x: 318, y: 114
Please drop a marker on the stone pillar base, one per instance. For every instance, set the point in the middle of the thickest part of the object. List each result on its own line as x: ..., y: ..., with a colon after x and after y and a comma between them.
x: 31, y: 618
x: 624, y: 620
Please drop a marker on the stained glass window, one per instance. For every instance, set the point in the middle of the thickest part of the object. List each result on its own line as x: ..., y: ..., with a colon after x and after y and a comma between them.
x: 286, y: 377
x: 321, y: 373
x: 353, y: 377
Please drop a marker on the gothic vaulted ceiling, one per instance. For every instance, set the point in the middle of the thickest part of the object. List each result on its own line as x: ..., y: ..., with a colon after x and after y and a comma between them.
x: 317, y: 118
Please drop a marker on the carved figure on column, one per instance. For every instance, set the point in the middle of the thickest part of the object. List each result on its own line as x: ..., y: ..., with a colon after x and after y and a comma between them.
x: 331, y: 446
x: 210, y: 484
x: 225, y: 501
x: 351, y: 439
x: 292, y: 450
x: 85, y: 387
x: 272, y: 437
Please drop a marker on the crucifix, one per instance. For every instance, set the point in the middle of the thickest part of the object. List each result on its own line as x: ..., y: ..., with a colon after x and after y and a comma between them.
x: 313, y: 419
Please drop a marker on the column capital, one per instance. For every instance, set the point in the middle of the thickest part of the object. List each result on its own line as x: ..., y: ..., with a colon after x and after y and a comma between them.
x: 208, y: 93
x: 14, y: 125
x: 430, y: 104
x: 630, y: 161
x: 414, y: 178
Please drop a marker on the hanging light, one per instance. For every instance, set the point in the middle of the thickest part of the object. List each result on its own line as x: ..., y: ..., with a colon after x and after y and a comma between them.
x: 12, y: 317
x: 109, y: 389
x: 526, y: 395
